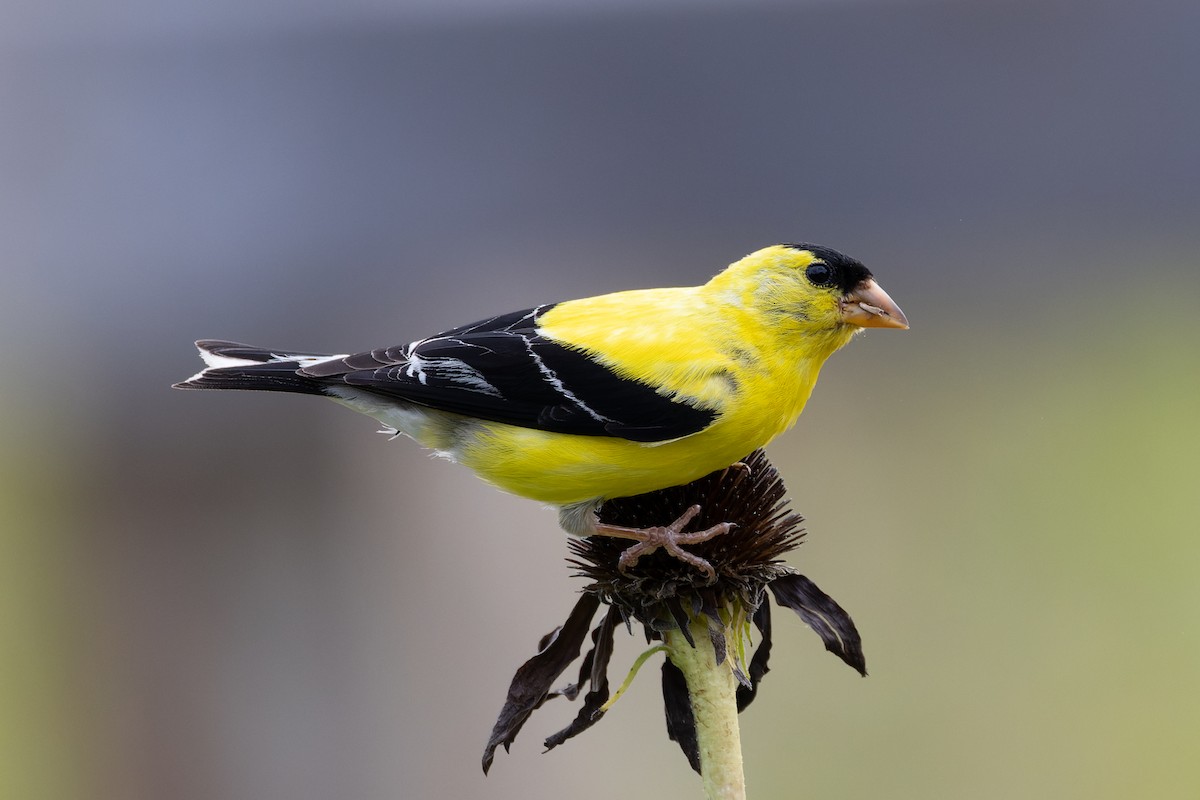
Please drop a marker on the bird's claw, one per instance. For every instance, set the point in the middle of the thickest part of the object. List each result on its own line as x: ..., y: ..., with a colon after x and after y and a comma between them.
x: 666, y: 537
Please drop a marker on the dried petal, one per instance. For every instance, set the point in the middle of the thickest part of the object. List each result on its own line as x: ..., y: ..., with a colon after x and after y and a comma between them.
x: 758, y: 663
x: 681, y: 619
x: 681, y: 724
x: 823, y: 615
x: 532, y: 682
x: 716, y: 635
x: 590, y: 713
x: 571, y: 690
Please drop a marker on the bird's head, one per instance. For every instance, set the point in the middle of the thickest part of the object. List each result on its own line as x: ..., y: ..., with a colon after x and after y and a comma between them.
x: 812, y: 289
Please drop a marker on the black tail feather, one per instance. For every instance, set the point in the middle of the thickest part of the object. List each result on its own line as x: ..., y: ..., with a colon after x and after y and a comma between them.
x: 278, y: 377
x: 267, y: 372
x: 220, y: 347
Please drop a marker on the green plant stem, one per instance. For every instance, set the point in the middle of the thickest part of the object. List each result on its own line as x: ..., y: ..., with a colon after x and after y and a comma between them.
x: 713, y: 693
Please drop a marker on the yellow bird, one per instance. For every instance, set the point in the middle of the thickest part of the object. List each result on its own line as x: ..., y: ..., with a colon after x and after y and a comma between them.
x: 577, y: 402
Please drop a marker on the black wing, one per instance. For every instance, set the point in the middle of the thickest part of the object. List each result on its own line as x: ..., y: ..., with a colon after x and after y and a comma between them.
x: 501, y: 369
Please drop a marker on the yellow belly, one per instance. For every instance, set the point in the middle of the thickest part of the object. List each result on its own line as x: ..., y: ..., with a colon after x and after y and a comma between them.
x: 563, y: 469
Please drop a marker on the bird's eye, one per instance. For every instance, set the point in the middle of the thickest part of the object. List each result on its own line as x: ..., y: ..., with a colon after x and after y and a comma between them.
x: 820, y: 274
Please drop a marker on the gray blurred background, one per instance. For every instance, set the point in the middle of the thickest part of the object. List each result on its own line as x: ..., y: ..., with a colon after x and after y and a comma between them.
x: 242, y: 596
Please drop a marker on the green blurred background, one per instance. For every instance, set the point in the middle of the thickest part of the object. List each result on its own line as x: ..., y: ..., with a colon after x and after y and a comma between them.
x: 240, y: 596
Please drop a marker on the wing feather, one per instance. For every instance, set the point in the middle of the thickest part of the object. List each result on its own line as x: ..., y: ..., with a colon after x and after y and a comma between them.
x: 503, y: 369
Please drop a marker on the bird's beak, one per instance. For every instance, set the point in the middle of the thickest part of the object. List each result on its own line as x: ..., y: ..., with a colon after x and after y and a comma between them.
x: 869, y: 306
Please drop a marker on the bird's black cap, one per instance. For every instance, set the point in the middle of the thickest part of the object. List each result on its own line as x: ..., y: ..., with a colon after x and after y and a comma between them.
x: 847, y: 272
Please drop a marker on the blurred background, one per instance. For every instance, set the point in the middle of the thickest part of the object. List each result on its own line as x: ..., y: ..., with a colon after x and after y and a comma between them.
x: 243, y: 596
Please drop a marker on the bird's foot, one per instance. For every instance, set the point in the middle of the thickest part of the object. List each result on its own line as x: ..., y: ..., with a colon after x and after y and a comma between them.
x: 667, y: 537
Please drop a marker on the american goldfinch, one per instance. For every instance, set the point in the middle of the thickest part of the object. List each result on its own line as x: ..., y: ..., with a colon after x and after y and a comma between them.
x: 576, y: 402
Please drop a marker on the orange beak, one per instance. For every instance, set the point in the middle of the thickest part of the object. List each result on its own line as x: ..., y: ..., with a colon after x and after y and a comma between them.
x: 869, y: 306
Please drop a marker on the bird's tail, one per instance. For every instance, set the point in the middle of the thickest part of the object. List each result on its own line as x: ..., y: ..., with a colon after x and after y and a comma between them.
x: 240, y: 366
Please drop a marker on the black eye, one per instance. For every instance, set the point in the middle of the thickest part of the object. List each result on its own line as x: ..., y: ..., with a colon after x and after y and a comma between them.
x: 820, y: 274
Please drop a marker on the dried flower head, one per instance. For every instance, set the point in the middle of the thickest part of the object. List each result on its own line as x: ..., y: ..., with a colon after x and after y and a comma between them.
x: 666, y: 595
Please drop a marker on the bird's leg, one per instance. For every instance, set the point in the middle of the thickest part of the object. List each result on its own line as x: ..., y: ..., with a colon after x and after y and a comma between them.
x: 668, y: 537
